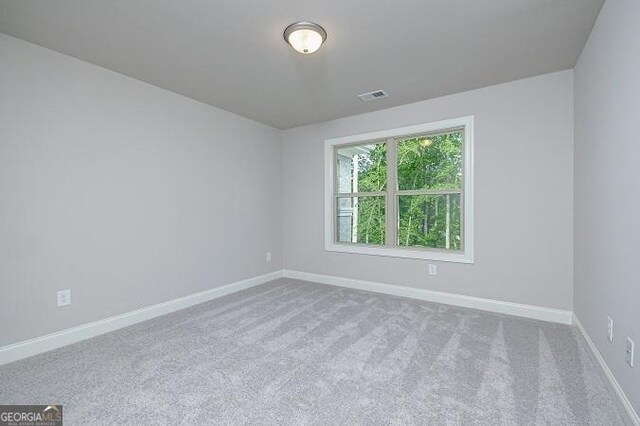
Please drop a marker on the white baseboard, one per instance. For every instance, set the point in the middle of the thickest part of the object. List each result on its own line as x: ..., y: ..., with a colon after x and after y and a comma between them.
x: 46, y: 343
x: 517, y: 309
x: 38, y: 345
x: 613, y: 383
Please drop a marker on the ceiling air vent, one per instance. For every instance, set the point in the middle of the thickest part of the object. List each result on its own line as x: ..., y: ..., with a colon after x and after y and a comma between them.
x: 372, y: 96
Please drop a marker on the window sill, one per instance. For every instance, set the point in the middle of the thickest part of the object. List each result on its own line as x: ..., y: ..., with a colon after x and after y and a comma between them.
x: 407, y: 253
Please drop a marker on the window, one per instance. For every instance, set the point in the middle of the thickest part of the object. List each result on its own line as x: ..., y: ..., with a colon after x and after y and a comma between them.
x: 404, y: 192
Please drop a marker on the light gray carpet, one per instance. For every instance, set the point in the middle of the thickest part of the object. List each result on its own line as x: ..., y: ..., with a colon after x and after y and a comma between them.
x: 293, y: 352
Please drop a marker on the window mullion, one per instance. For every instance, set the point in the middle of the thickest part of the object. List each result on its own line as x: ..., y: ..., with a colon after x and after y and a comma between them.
x: 391, y: 206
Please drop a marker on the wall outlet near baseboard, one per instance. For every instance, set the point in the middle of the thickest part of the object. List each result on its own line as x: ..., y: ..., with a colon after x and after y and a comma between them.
x: 433, y: 269
x: 610, y: 329
x: 268, y: 256
x: 630, y: 351
x: 64, y: 297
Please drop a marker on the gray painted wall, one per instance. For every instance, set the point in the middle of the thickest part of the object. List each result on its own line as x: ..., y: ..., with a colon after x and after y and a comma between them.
x: 607, y: 195
x: 125, y: 193
x: 523, y: 184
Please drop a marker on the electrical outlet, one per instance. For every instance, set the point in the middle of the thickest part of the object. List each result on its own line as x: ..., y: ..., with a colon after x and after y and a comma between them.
x: 64, y: 297
x: 433, y: 269
x: 610, y: 329
x: 630, y: 351
x: 268, y: 256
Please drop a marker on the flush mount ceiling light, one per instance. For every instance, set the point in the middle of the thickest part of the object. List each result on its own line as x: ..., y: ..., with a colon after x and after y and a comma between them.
x: 305, y: 37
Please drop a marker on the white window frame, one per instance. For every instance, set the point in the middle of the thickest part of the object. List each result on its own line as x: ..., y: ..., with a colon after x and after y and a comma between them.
x: 463, y: 256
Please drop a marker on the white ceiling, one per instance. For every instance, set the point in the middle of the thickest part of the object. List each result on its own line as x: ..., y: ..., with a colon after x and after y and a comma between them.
x: 231, y: 54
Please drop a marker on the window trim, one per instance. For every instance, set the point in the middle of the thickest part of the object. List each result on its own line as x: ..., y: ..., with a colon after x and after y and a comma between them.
x: 464, y: 256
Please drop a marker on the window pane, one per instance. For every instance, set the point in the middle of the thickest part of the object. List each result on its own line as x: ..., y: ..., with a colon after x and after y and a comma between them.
x: 362, y: 168
x: 431, y: 162
x: 430, y: 221
x: 361, y: 220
